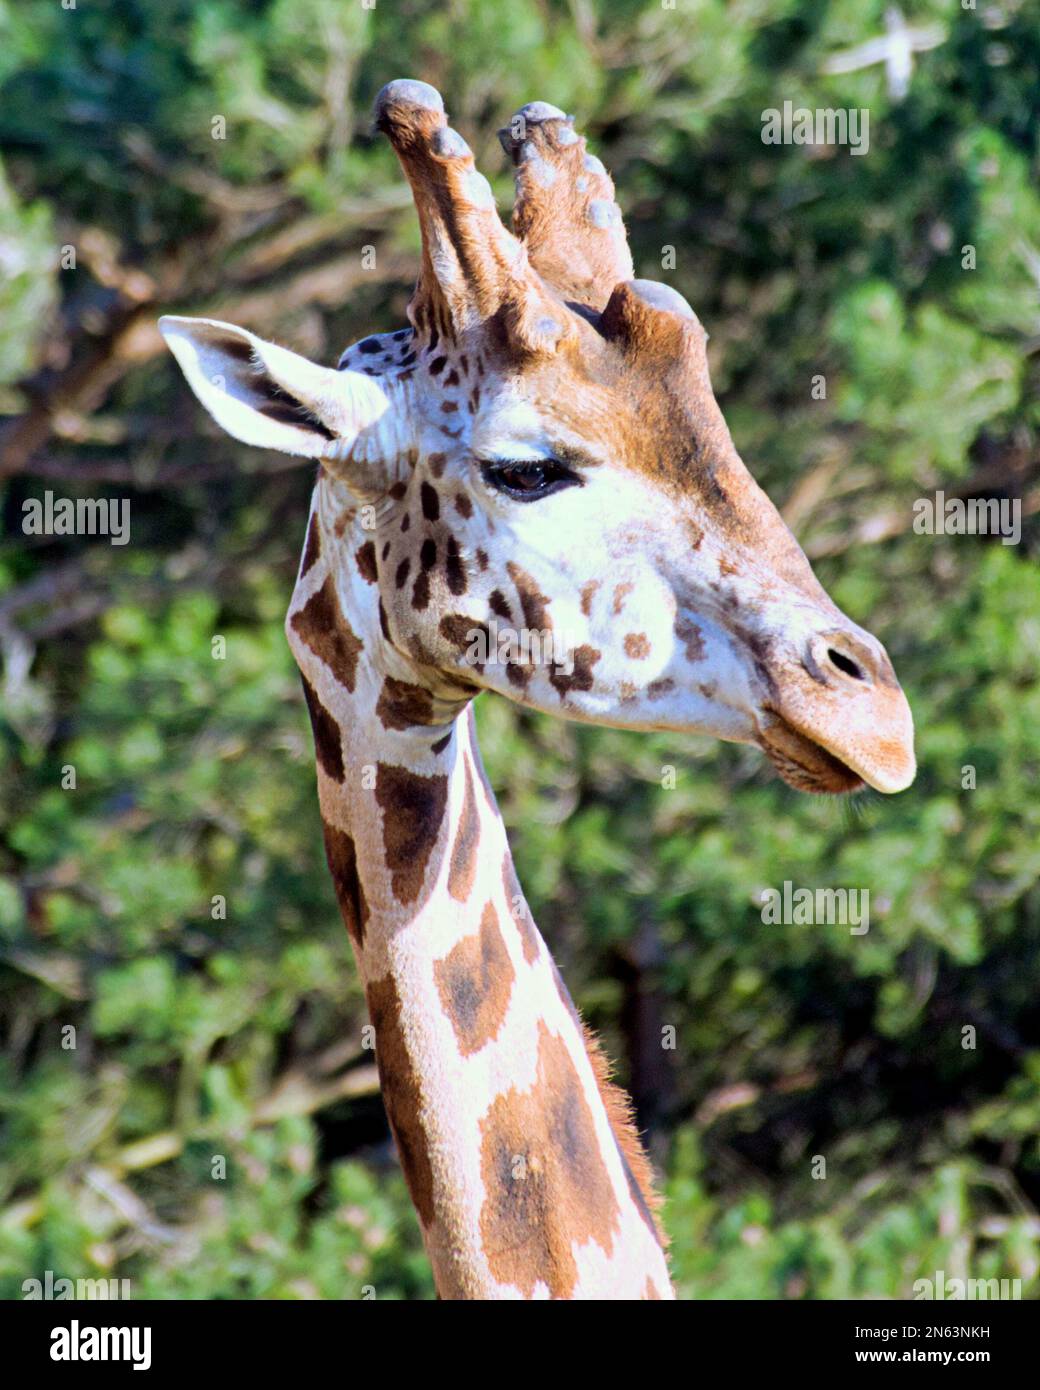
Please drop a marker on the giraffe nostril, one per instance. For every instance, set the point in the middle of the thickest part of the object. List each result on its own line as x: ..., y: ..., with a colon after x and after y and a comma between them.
x: 835, y: 658
x: 846, y: 664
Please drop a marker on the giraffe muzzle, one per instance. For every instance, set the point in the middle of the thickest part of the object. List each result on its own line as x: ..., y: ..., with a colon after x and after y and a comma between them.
x: 838, y: 719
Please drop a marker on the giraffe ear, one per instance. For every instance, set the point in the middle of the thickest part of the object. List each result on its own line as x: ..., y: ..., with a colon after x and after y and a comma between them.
x: 271, y: 397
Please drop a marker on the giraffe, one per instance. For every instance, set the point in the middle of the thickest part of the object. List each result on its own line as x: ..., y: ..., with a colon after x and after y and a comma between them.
x: 537, y: 454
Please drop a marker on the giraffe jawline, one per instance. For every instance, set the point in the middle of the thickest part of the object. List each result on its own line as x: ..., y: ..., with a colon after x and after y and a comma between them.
x: 806, y: 765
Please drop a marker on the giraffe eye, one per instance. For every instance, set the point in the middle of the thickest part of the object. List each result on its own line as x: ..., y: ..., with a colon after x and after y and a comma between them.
x: 529, y: 480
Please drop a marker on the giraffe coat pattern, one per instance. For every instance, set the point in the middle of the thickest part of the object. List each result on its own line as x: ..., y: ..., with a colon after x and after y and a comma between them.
x: 530, y: 489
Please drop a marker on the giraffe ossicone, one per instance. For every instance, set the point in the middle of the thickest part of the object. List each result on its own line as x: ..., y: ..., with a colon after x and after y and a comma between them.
x: 537, y: 454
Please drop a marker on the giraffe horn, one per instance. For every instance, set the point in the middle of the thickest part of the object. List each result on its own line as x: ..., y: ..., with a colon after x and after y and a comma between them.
x: 565, y: 212
x: 469, y: 259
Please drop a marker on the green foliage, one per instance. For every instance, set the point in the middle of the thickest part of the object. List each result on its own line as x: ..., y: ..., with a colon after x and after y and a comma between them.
x: 174, y: 907
x: 27, y: 286
x: 900, y: 369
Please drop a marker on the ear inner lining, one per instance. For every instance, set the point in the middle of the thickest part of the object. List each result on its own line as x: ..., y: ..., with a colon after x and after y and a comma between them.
x: 287, y: 410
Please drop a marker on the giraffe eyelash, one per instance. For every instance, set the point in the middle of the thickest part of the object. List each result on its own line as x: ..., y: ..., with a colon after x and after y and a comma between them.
x: 528, y: 480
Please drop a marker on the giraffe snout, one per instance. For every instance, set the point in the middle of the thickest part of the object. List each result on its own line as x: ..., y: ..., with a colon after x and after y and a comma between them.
x: 837, y: 716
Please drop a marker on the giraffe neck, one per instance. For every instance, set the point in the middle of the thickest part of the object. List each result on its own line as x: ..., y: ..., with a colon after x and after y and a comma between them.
x: 518, y: 1153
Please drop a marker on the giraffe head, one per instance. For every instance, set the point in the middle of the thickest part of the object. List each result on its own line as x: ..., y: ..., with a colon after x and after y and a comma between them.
x: 536, y: 483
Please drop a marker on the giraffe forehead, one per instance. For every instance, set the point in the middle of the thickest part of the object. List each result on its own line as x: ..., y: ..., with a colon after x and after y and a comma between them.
x: 599, y: 392
x: 642, y: 412
x: 653, y: 454
x: 590, y: 422
x: 512, y: 427
x: 659, y: 420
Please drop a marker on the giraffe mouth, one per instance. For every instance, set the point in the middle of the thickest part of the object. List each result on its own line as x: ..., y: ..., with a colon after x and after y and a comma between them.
x: 805, y: 764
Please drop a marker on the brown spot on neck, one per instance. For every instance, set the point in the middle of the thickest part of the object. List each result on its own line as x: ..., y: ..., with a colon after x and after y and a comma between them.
x: 413, y: 810
x: 312, y: 549
x: 330, y: 637
x: 546, y: 1184
x: 328, y: 741
x: 346, y: 879
x: 463, y: 867
x: 403, y: 706
x: 401, y: 1094
x: 475, y: 982
x: 638, y: 1172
